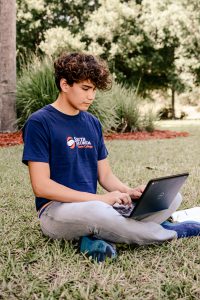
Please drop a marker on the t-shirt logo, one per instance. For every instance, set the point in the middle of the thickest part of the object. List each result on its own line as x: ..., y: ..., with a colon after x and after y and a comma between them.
x: 70, y: 142
x: 79, y: 142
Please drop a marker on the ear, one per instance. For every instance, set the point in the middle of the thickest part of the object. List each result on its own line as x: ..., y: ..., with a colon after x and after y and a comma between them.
x: 63, y: 85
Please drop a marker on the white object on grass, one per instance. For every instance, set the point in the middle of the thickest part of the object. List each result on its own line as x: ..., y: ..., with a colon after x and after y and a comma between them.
x: 191, y: 214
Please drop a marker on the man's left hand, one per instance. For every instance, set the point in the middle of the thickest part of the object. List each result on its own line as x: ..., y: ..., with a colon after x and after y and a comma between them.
x: 136, y: 193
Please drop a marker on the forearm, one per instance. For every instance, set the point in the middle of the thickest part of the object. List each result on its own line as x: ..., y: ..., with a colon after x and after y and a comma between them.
x: 52, y: 190
x: 111, y: 183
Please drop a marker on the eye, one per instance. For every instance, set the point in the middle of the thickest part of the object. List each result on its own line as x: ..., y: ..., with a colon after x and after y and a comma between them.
x: 85, y: 89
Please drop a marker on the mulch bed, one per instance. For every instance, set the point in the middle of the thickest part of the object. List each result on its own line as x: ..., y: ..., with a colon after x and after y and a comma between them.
x: 12, y: 139
x: 144, y: 135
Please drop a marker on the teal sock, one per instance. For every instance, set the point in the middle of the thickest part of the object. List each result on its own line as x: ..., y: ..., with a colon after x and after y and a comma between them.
x: 98, y: 249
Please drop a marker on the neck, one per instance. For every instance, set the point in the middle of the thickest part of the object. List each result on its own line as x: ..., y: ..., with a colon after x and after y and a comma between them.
x: 63, y: 106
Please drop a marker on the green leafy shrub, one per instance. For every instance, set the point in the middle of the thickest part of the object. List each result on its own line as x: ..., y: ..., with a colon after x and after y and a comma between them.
x: 105, y: 111
x: 35, y: 87
x: 127, y: 102
x: 118, y: 109
x: 126, y: 106
x: 148, y: 121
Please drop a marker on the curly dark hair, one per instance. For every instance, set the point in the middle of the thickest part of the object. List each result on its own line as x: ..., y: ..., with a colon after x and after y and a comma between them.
x: 76, y: 67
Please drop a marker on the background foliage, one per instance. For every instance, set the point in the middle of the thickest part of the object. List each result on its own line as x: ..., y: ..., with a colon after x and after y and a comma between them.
x: 151, y: 44
x: 156, y: 42
x: 35, y: 87
x: 34, y: 18
x: 117, y: 109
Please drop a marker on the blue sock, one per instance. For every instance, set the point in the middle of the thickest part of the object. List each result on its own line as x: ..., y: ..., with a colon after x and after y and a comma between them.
x: 183, y: 229
x: 97, y: 249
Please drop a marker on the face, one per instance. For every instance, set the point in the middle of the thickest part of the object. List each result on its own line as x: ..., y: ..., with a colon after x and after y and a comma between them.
x: 79, y: 96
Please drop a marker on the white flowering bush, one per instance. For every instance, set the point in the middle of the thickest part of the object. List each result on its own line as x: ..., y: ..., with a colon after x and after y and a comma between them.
x: 38, y: 5
x: 59, y: 39
x: 174, y: 24
x: 108, y: 22
x: 35, y: 18
x: 154, y: 43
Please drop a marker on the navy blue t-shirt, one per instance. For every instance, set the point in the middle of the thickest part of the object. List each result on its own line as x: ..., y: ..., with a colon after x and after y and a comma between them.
x: 72, y: 145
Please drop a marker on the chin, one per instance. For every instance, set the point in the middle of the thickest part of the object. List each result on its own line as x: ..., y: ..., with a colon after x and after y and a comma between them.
x: 84, y: 108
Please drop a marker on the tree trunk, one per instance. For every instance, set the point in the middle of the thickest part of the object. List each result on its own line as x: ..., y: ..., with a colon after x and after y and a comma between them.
x: 7, y: 65
x: 173, y: 104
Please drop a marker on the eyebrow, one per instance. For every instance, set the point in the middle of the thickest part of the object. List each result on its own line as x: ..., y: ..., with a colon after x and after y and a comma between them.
x: 89, y: 86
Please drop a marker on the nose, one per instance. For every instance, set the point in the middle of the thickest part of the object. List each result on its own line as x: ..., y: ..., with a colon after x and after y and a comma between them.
x: 91, y: 95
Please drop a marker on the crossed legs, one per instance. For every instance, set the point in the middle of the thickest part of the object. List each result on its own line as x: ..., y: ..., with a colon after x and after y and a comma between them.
x: 73, y: 220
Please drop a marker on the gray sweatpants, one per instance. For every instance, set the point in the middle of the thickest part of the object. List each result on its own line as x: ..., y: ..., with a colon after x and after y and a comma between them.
x: 73, y: 220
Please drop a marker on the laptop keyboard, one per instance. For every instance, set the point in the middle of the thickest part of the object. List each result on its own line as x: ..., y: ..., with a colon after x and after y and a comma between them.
x: 124, y: 210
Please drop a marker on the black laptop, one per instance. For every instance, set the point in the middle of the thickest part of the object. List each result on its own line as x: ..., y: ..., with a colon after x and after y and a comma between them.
x: 158, y: 195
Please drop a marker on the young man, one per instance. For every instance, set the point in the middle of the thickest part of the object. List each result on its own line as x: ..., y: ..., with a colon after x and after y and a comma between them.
x: 66, y: 155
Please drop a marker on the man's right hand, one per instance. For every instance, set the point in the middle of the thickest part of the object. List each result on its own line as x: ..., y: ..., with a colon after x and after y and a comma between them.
x: 116, y: 197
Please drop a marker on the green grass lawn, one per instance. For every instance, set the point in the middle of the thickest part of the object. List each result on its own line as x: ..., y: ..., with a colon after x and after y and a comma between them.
x: 34, y: 267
